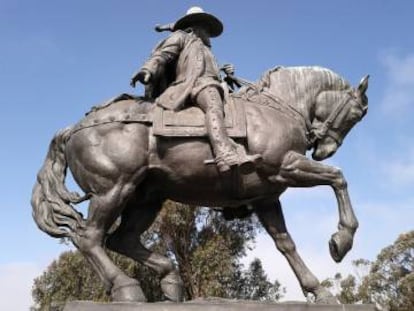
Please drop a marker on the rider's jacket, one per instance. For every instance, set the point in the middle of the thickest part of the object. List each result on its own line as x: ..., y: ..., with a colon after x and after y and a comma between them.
x: 181, y: 66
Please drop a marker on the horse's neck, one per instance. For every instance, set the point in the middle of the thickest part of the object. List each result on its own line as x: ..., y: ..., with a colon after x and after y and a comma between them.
x: 292, y: 99
x: 300, y: 86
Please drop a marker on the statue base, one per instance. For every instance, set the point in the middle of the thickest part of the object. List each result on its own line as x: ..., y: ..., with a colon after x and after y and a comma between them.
x: 227, y: 305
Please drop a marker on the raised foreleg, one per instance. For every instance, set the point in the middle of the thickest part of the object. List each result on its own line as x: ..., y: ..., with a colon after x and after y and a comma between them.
x: 271, y: 216
x: 299, y: 171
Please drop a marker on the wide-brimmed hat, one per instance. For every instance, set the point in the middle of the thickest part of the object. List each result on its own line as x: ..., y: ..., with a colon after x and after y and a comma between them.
x: 196, y: 15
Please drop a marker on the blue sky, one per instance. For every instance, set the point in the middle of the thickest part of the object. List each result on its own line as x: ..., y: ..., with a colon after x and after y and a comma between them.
x: 59, y: 58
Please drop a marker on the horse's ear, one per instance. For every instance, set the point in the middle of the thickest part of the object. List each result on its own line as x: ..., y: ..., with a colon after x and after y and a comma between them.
x: 363, y: 85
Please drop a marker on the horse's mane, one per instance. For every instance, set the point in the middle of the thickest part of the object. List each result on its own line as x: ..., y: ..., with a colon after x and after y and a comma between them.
x: 303, y: 79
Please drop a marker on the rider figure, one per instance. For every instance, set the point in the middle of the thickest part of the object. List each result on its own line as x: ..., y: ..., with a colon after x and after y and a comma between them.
x: 183, y: 70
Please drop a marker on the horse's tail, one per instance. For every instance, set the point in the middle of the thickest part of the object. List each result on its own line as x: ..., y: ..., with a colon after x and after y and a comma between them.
x: 51, y: 200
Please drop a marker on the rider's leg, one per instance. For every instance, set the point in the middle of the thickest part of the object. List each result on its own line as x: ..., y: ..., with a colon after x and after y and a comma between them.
x: 227, y: 153
x: 210, y: 101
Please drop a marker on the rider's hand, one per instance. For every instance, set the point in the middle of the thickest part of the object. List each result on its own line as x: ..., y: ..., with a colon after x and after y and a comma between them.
x: 228, y: 69
x: 143, y: 76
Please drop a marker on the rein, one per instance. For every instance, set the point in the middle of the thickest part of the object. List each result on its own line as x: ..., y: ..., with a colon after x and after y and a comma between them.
x: 293, y: 112
x: 326, y: 128
x: 277, y: 104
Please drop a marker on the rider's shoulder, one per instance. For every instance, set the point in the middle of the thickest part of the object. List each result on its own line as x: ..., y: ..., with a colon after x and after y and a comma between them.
x: 184, y: 34
x: 178, y: 35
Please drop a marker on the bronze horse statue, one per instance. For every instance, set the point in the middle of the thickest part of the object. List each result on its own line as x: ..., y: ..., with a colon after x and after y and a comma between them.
x: 127, y: 171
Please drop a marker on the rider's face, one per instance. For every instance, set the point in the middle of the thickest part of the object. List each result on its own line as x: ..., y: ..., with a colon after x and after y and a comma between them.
x: 202, y: 33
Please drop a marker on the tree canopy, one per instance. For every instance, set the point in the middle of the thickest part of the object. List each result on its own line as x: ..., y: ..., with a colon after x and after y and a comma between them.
x: 388, y: 281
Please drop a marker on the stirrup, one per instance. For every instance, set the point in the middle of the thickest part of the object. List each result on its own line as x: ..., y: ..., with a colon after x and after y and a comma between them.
x: 249, y: 163
x: 226, y: 163
x: 222, y: 167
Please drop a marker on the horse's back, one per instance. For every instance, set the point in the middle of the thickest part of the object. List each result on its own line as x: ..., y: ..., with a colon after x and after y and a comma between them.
x: 103, y: 147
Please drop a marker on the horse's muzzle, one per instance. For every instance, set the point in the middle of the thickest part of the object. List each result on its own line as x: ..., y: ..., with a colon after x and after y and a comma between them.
x: 324, y: 149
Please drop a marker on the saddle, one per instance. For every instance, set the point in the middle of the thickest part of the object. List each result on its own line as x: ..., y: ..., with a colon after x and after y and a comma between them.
x: 189, y: 122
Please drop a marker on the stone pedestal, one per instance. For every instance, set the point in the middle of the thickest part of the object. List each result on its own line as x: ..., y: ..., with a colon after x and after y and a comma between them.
x: 210, y: 306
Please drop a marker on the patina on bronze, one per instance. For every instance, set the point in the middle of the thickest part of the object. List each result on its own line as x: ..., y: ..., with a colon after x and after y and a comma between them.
x: 124, y: 158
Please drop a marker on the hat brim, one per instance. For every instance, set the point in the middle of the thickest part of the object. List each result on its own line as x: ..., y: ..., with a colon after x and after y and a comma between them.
x: 213, y: 24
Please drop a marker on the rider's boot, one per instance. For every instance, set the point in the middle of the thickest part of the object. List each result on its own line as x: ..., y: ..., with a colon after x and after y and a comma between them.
x: 228, y: 154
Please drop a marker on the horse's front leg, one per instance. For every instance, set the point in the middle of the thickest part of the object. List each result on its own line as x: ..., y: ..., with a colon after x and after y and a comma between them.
x: 271, y: 216
x: 298, y: 171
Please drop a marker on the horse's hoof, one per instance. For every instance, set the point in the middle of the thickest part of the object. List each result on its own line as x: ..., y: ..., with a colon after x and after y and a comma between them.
x: 173, y: 287
x: 128, y: 292
x: 325, y: 297
x: 340, y: 244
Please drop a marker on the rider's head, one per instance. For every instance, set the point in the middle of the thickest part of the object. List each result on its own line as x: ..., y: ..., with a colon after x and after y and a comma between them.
x: 203, y: 24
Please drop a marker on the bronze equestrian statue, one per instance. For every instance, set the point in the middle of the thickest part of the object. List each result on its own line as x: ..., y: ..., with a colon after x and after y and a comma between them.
x: 128, y: 167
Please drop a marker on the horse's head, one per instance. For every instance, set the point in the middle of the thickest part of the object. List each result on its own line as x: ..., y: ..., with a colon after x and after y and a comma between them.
x: 336, y: 112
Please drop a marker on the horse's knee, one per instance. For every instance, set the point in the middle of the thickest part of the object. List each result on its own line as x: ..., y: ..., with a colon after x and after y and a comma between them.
x: 284, y: 243
x: 339, y: 181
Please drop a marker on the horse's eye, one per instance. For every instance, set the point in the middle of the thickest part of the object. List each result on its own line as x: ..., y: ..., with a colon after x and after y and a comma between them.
x: 355, y: 114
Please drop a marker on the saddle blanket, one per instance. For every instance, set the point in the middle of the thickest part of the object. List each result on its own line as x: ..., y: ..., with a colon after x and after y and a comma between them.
x: 190, y: 122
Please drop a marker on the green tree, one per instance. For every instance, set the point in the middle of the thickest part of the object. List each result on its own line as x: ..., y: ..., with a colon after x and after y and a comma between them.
x: 388, y: 281
x: 349, y: 289
x: 345, y: 287
x: 256, y: 285
x: 206, y: 249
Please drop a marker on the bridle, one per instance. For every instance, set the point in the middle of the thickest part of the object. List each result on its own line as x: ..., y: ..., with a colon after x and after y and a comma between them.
x: 326, y: 128
x: 313, y: 134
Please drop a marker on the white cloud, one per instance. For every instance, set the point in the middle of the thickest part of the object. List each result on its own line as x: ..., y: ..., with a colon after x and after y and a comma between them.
x: 305, y: 194
x: 16, y: 284
x: 400, y: 170
x: 399, y: 93
x: 382, y: 222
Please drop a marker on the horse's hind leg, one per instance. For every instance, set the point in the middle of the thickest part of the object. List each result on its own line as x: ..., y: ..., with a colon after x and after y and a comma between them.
x: 271, y: 217
x: 136, y: 218
x: 104, y: 208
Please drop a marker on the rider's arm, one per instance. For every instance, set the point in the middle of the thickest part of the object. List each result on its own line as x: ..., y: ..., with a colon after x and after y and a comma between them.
x: 167, y: 51
x: 229, y: 78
